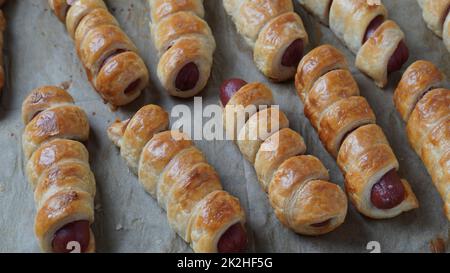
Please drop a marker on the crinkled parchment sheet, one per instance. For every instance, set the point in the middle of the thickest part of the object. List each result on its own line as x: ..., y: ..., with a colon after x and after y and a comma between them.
x: 39, y: 52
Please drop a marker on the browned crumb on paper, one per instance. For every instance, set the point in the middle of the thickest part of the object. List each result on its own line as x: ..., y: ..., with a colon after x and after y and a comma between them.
x: 437, y: 245
x: 65, y: 85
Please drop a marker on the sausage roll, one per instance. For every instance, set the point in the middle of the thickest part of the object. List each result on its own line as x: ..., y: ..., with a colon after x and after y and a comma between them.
x: 185, y: 43
x: 110, y: 58
x: 426, y: 111
x: 177, y: 175
x: 346, y: 126
x: 297, y: 184
x: 436, y: 16
x: 2, y: 39
x: 58, y: 170
x: 274, y: 31
x: 363, y: 27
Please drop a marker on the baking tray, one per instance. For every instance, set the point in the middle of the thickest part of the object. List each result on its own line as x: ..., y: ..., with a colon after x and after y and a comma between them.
x: 39, y: 52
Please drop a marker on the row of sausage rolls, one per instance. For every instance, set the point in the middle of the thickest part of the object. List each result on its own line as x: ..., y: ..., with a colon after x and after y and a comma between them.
x: 185, y: 44
x: 297, y: 184
x: 274, y: 31
x: 173, y: 171
x: 346, y: 126
x: 362, y: 25
x: 426, y: 109
x: 109, y: 57
x: 58, y: 170
x: 436, y: 15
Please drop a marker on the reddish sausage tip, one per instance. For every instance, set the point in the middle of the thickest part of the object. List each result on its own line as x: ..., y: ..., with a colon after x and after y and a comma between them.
x: 373, y: 26
x: 229, y: 88
x: 400, y: 56
x: 388, y: 192
x: 293, y: 54
x: 234, y: 240
x: 73, y: 232
x: 187, y: 77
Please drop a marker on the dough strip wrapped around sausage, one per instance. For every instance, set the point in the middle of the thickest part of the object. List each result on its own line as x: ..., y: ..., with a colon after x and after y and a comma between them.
x: 426, y: 110
x: 275, y: 33
x: 346, y: 126
x: 362, y: 25
x: 185, y: 44
x: 436, y: 16
x: 173, y: 171
x: 58, y: 170
x: 297, y: 184
x: 110, y: 58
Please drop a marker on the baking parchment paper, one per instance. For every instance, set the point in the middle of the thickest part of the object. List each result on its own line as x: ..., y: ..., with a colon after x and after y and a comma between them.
x: 39, y: 52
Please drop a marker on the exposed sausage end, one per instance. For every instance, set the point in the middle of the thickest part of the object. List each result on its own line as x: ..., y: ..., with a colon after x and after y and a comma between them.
x: 234, y: 240
x: 187, y: 77
x: 388, y: 192
x: 229, y: 88
x: 73, y: 232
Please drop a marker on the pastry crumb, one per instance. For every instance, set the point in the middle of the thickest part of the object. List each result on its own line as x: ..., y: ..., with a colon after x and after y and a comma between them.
x: 2, y: 188
x: 119, y: 227
x: 98, y: 207
x: 66, y: 85
x: 437, y: 245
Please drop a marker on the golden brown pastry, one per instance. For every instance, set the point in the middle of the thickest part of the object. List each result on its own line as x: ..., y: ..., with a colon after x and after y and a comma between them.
x: 110, y: 58
x: 185, y: 43
x: 58, y: 170
x: 363, y: 27
x: 297, y: 184
x: 436, y: 16
x: 346, y: 126
x: 274, y: 31
x: 177, y: 175
x: 427, y: 113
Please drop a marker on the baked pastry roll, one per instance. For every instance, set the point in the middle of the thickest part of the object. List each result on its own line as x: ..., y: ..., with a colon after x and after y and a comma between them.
x: 297, y: 184
x: 58, y: 170
x: 242, y: 105
x: 185, y: 43
x: 419, y: 78
x: 436, y: 16
x: 259, y: 21
x: 110, y: 58
x: 177, y: 175
x: 346, y: 126
x: 363, y: 27
x: 426, y: 110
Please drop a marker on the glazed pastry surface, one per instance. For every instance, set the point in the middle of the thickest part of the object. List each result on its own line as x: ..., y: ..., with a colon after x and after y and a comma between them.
x: 275, y: 33
x: 173, y: 171
x: 347, y: 128
x: 185, y: 44
x: 363, y: 26
x: 110, y: 58
x: 297, y: 184
x: 57, y: 167
x: 426, y: 110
